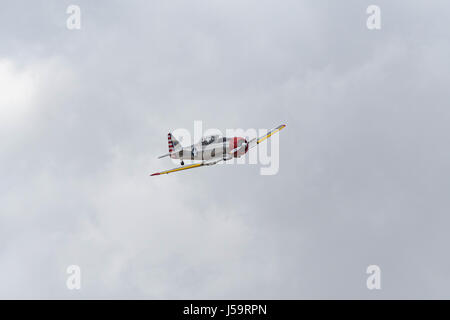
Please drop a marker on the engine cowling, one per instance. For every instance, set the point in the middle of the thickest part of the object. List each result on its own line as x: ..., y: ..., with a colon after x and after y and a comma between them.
x: 239, y: 145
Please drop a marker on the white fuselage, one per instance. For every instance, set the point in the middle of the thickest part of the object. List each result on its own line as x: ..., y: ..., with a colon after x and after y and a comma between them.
x: 213, y: 147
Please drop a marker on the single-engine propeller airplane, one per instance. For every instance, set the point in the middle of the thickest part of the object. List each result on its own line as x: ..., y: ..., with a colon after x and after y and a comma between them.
x: 211, y: 150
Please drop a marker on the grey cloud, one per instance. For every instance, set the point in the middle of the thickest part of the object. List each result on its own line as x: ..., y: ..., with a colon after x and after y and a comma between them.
x: 363, y: 167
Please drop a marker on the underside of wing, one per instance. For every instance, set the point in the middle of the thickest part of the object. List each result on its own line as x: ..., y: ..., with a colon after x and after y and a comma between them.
x: 254, y: 142
x: 191, y: 166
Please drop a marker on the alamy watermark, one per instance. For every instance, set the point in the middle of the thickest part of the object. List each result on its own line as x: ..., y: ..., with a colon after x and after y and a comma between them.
x: 374, y: 280
x: 73, y: 22
x: 73, y: 281
x: 266, y: 153
x: 374, y: 20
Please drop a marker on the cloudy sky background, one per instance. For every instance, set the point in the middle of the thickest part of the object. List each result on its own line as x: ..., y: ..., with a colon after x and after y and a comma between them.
x: 364, y: 163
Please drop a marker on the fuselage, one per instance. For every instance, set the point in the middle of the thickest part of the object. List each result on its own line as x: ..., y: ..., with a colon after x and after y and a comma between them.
x: 213, y: 147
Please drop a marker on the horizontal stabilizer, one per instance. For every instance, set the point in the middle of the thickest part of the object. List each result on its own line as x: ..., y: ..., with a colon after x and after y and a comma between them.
x: 164, y: 155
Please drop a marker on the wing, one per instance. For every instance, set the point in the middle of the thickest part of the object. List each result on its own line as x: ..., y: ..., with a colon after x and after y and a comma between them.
x: 191, y: 166
x: 254, y: 142
x: 178, y: 169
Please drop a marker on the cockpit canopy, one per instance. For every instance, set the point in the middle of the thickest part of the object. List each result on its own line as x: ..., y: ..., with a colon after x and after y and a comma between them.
x: 214, y: 138
x: 210, y: 139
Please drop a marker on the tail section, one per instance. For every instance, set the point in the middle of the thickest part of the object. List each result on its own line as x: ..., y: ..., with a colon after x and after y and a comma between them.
x: 174, y: 145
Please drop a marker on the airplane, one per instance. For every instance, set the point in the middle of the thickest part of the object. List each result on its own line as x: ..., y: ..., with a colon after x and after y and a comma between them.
x: 211, y: 150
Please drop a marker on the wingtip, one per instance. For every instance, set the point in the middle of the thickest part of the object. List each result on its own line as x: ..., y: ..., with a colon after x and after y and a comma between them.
x: 155, y: 174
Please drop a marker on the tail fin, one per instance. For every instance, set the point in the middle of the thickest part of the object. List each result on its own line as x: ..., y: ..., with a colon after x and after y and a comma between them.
x: 174, y: 145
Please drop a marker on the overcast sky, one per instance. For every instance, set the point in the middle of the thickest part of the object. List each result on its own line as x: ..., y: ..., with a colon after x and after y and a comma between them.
x: 364, y: 172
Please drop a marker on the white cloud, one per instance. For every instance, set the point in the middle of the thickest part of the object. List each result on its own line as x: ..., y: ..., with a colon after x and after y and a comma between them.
x: 17, y: 91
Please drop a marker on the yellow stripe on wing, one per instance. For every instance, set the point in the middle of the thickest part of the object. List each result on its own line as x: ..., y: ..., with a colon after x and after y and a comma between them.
x: 271, y: 133
x: 178, y: 169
